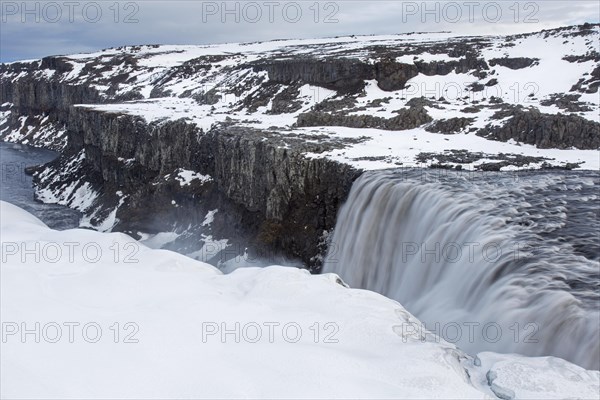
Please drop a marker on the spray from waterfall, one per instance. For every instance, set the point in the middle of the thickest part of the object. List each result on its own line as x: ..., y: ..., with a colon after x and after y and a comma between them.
x: 505, y: 264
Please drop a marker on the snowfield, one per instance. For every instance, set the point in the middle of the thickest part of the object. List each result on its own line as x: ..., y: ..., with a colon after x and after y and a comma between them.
x: 387, y: 149
x: 118, y: 319
x: 229, y: 83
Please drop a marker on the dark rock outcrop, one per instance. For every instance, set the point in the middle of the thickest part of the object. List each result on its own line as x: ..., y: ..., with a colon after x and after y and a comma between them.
x: 461, y: 66
x: 407, y: 118
x: 567, y: 102
x: 31, y: 96
x: 589, y: 85
x: 546, y: 131
x: 450, y: 126
x: 271, y: 197
x: 514, y: 63
x: 343, y: 75
x: 391, y: 75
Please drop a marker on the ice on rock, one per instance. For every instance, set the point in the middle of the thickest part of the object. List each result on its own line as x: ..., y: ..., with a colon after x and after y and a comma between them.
x: 518, y: 377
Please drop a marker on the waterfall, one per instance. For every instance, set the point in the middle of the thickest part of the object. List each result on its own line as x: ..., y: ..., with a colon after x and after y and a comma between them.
x: 491, y: 264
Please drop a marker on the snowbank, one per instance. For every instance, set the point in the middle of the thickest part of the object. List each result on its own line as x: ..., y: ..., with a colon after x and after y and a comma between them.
x: 98, y: 315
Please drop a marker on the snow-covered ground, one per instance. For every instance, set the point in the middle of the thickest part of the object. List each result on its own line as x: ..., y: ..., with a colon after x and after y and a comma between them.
x: 526, y: 86
x: 388, y: 149
x: 118, y: 319
x: 207, y: 85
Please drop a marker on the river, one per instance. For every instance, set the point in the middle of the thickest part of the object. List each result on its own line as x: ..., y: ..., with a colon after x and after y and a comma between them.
x: 17, y: 187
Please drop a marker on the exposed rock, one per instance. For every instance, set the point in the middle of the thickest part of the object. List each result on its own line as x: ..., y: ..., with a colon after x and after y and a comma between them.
x: 337, y: 104
x: 450, y: 126
x: 260, y: 180
x: 379, y: 102
x: 461, y: 66
x: 477, y: 87
x: 391, y: 75
x: 341, y: 74
x: 209, y: 97
x: 472, y: 109
x: 567, y: 102
x: 589, y: 56
x: 286, y: 101
x: 546, y: 131
x: 449, y: 158
x: 420, y: 102
x: 590, y: 85
x: 514, y: 63
x: 32, y: 96
x: 407, y: 118
x: 345, y: 75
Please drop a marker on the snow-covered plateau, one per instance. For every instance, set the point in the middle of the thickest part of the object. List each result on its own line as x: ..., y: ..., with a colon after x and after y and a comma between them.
x: 509, y: 101
x: 101, y: 316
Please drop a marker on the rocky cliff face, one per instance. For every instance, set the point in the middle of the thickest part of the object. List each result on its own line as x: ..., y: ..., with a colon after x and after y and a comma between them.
x: 261, y: 185
x: 546, y: 131
x: 343, y: 75
x: 37, y: 107
x: 273, y: 138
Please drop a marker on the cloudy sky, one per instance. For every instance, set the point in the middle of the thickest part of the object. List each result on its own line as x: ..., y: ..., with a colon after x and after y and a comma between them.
x: 36, y: 29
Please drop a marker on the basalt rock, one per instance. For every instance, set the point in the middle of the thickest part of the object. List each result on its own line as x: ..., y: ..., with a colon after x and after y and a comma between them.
x: 514, y: 63
x: 343, y: 75
x: 567, y: 102
x: 260, y: 180
x: 407, y: 118
x: 546, y: 131
x: 450, y: 126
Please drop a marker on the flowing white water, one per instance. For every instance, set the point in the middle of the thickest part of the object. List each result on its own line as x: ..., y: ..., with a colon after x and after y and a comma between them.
x: 496, y: 263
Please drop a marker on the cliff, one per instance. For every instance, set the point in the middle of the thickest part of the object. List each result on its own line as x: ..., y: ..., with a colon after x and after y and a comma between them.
x: 261, y: 185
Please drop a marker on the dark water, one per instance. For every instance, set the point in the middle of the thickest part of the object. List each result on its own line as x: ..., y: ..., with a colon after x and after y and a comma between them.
x: 520, y: 252
x: 17, y: 187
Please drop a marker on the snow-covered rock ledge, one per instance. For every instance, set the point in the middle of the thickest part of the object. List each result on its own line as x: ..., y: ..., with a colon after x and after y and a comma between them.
x: 117, y: 319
